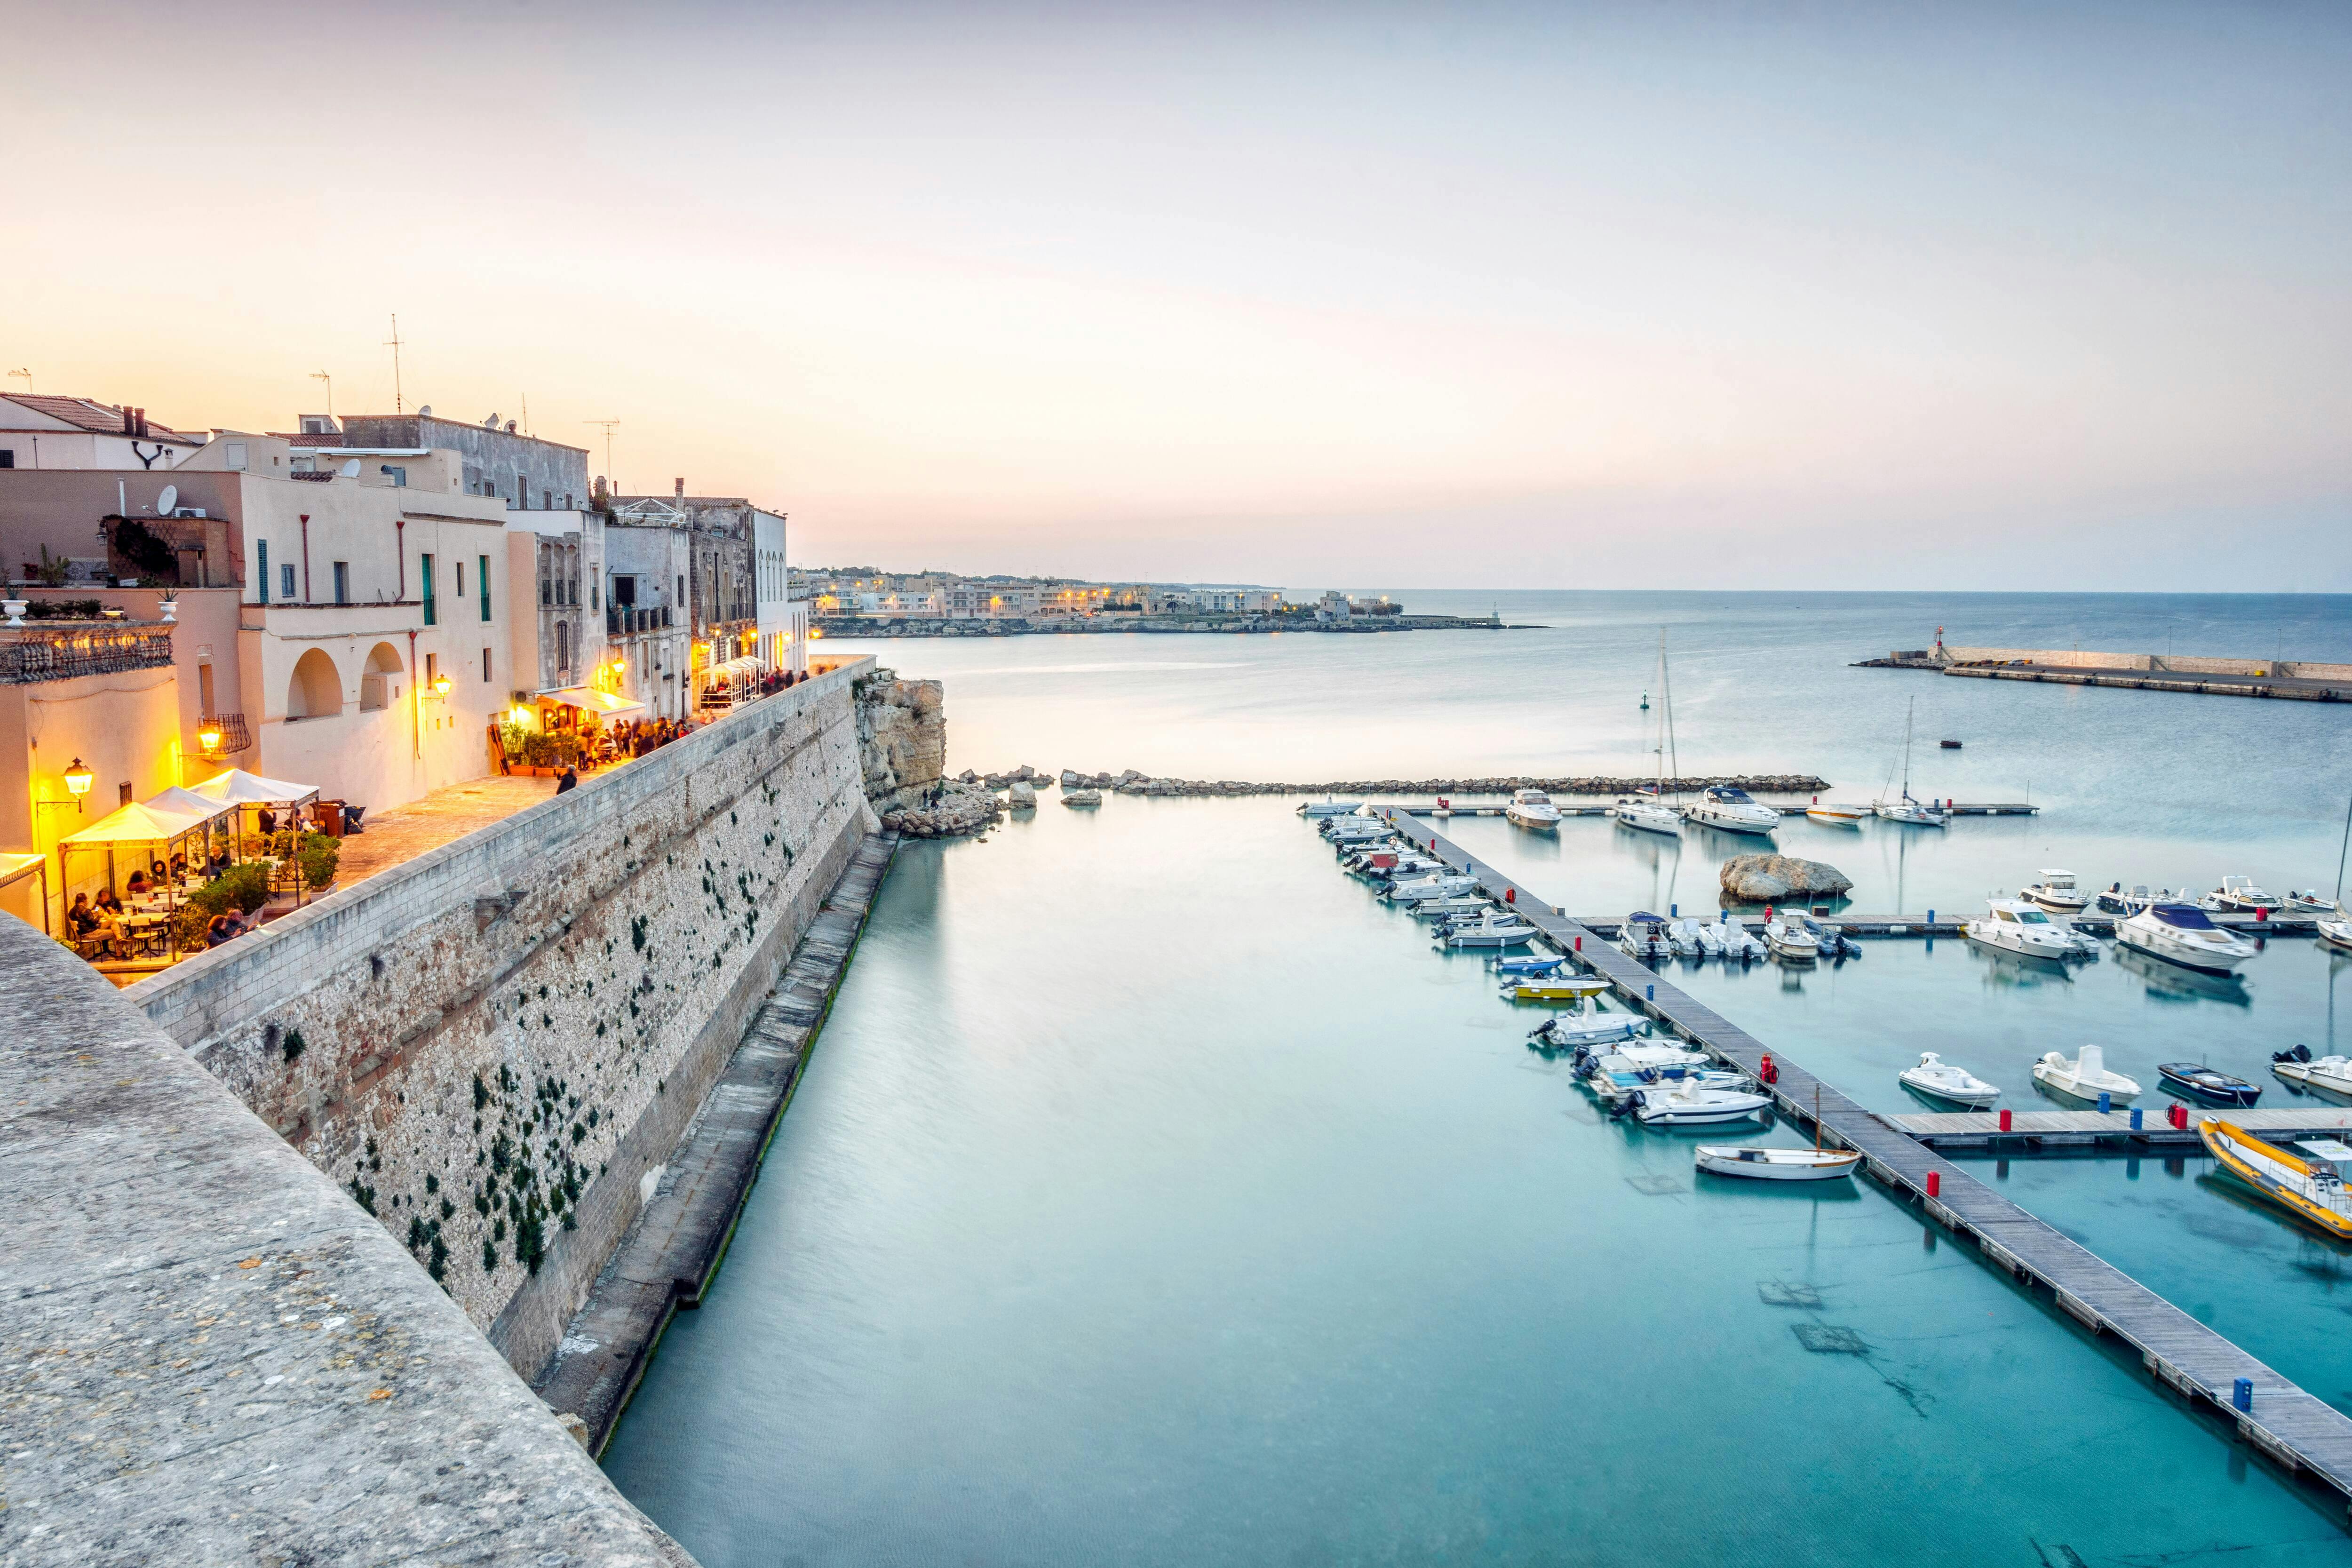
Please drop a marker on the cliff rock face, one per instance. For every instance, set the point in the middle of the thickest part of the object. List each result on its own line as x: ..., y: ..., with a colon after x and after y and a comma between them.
x: 1762, y: 878
x: 902, y: 738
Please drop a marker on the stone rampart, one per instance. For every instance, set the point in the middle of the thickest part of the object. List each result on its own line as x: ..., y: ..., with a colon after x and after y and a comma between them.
x: 491, y: 1046
x: 215, y: 1357
x: 2177, y: 664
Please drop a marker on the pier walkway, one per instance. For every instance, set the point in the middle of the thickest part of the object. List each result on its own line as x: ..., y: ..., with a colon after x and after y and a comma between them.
x: 2298, y: 1430
x: 2065, y: 1132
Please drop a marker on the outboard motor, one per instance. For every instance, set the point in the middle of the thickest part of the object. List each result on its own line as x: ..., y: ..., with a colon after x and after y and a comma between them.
x: 2300, y: 1054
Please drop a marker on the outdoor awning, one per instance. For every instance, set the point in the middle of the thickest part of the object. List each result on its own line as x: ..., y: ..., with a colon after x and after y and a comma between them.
x: 588, y: 700
x: 746, y: 664
x: 138, y: 822
x: 238, y: 787
x: 14, y: 868
x: 188, y: 803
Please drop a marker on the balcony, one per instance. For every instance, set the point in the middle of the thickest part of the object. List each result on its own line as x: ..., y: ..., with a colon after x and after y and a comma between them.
x: 620, y: 620
x: 29, y: 654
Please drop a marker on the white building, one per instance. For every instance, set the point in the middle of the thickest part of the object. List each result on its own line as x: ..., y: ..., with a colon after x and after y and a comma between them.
x: 82, y: 433
x: 782, y: 617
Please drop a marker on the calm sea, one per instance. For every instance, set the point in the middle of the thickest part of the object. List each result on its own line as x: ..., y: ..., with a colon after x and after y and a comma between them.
x: 1157, y: 1196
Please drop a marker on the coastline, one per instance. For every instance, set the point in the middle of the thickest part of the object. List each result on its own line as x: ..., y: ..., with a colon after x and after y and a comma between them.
x: 1061, y: 625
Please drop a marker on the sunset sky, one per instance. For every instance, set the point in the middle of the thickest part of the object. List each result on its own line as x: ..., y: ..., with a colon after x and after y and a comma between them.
x: 1976, y: 297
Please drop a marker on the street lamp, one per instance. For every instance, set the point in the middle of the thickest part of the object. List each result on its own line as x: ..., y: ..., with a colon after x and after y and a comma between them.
x: 78, y: 778
x: 441, y: 686
x: 210, y: 737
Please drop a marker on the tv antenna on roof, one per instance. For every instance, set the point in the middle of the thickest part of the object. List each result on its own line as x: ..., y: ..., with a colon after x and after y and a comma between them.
x: 28, y: 380
x: 322, y: 375
x: 610, y: 425
x: 393, y: 342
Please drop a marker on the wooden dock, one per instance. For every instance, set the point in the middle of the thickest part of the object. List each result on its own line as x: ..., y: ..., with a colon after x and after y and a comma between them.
x: 1935, y: 922
x: 1958, y: 808
x: 2059, y: 1131
x: 2303, y: 1434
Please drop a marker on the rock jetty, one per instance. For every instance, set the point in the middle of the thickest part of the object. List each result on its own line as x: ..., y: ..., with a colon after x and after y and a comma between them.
x: 1762, y: 878
x: 949, y: 809
x: 1132, y: 781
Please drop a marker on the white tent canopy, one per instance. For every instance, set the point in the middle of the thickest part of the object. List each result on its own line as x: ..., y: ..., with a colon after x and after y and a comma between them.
x: 588, y: 700
x: 141, y: 822
x: 188, y: 803
x: 238, y: 787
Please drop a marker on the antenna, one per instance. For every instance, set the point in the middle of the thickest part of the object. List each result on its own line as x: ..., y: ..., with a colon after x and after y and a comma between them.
x: 28, y: 380
x: 526, y: 413
x: 322, y: 375
x: 393, y: 342
x: 610, y: 425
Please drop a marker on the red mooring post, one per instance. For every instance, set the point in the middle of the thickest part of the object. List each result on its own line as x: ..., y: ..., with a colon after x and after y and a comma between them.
x: 2004, y: 1121
x: 1934, y: 1183
x: 1510, y: 895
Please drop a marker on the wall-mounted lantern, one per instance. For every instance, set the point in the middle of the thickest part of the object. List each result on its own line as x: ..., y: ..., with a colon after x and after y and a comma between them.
x: 78, y: 778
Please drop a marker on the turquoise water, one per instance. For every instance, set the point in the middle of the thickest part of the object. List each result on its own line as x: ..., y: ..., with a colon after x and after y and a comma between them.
x: 1157, y: 1196
x: 1154, y: 1195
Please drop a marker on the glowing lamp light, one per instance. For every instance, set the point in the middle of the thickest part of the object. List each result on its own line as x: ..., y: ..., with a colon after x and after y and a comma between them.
x: 519, y: 717
x: 441, y: 685
x: 78, y: 778
x: 619, y: 664
x: 211, y: 737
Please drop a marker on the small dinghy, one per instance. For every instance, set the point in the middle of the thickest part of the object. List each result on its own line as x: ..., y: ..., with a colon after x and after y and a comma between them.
x: 1531, y: 965
x: 2086, y: 1078
x: 1492, y: 929
x: 1314, y: 808
x: 1554, y: 988
x: 2209, y: 1084
x: 2298, y: 1065
x: 1600, y: 1029
x: 1939, y: 1080
x: 1776, y: 1164
x: 1693, y: 1105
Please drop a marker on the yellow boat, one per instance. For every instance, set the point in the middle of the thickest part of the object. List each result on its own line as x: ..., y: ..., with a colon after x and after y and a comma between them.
x: 1575, y: 990
x: 2309, y: 1191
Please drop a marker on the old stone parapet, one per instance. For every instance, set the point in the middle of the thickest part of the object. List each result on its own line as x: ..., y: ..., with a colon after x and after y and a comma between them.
x: 489, y: 1047
x: 214, y: 1355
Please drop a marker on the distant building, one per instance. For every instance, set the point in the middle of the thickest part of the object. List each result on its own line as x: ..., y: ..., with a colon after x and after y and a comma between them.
x: 783, y: 616
x: 647, y: 627
x: 527, y: 473
x: 44, y: 432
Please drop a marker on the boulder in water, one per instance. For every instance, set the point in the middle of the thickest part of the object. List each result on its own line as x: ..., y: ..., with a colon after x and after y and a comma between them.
x: 1763, y: 879
x: 1023, y: 797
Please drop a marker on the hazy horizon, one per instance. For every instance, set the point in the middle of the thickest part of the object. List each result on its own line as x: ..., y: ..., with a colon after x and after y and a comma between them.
x: 1983, y: 298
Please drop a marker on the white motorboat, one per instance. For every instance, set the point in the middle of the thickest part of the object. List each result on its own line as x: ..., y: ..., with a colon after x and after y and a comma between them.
x: 1705, y: 937
x: 2086, y: 1078
x: 1532, y: 808
x: 2338, y: 933
x: 1340, y: 828
x: 1643, y: 937
x: 2183, y: 934
x: 2335, y: 926
x: 1903, y: 807
x: 2056, y: 890
x: 1776, y: 1164
x: 2308, y: 903
x: 1734, y: 940
x: 1493, y: 929
x: 1444, y: 909
x: 2240, y: 896
x: 1315, y: 808
x: 1422, y: 890
x: 1836, y: 816
x: 2012, y: 925
x: 2333, y: 1074
x: 1566, y: 1034
x: 1793, y: 937
x: 1647, y: 815
x: 1733, y: 810
x: 1681, y: 936
x: 1694, y: 1105
x: 1940, y: 1079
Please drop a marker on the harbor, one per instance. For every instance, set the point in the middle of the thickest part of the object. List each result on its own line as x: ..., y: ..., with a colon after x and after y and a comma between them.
x: 2297, y: 680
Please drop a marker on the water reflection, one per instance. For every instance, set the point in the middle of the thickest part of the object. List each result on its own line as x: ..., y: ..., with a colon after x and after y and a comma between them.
x: 2170, y: 982
x: 2012, y: 969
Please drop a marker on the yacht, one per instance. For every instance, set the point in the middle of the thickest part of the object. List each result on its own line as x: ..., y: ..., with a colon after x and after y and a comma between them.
x: 1939, y: 1080
x: 1793, y: 936
x: 2239, y: 895
x: 2333, y: 1074
x: 2086, y: 1078
x: 2311, y: 1190
x: 1903, y: 808
x: 2182, y: 935
x: 1647, y: 815
x: 1532, y: 808
x: 1656, y: 815
x: 2056, y: 890
x: 2012, y: 925
x: 1837, y: 816
x: 1730, y: 808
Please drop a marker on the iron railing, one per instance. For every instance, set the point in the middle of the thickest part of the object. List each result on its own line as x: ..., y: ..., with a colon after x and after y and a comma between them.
x: 28, y: 656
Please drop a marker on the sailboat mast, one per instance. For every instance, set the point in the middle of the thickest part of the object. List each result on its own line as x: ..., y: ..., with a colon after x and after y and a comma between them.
x: 2339, y: 854
x: 1909, y: 715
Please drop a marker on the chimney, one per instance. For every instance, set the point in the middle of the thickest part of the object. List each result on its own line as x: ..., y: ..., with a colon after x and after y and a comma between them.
x: 680, y: 491
x: 142, y: 423
x: 128, y: 427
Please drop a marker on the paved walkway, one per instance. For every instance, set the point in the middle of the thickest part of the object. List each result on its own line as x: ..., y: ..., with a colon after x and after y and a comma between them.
x: 400, y: 835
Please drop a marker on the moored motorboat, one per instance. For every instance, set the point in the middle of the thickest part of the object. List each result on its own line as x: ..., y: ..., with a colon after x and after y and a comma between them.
x: 2240, y: 896
x: 2056, y: 890
x: 1426, y: 887
x: 2012, y: 925
x: 1530, y: 966
x: 1736, y: 941
x: 2209, y: 1084
x: 2086, y: 1078
x: 1553, y: 987
x: 1707, y: 938
x: 2311, y: 1190
x: 1694, y: 1105
x: 1941, y: 1080
x: 1793, y: 937
x: 1647, y: 815
x: 1733, y: 810
x: 1567, y: 1033
x: 1643, y: 937
x: 1532, y: 808
x: 1776, y: 1164
x: 1328, y: 807
x: 1493, y: 929
x: 2183, y: 934
x: 2336, y: 932
x: 2299, y: 1067
x: 1836, y: 816
x: 2307, y: 902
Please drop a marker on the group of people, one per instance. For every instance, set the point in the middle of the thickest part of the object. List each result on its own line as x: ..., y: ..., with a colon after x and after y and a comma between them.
x: 105, y: 921
x: 635, y: 740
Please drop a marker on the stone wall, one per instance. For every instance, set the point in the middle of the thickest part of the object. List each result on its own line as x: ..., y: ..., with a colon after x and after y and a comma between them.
x: 2179, y: 664
x: 489, y: 1046
x: 215, y: 1357
x: 902, y: 731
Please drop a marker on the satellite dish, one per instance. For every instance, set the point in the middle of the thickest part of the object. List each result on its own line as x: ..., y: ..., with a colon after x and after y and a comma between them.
x: 492, y: 422
x: 350, y: 469
x: 426, y: 412
x: 167, y: 500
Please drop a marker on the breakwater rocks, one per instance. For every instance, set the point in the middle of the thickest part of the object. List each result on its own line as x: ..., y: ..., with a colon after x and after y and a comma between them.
x: 950, y: 809
x: 1131, y: 782
x: 1761, y: 879
x: 1113, y: 625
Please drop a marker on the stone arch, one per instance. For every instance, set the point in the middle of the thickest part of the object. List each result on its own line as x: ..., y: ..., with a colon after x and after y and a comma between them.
x: 316, y: 689
x: 378, y: 680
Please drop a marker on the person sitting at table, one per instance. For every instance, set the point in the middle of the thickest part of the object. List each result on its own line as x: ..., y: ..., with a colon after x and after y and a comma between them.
x: 158, y: 873
x: 217, y: 864
x: 223, y: 926
x: 139, y: 885
x: 268, y: 822
x: 81, y: 920
x: 179, y: 864
x: 108, y: 911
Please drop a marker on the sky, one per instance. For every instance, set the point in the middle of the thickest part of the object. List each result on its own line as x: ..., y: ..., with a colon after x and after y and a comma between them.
x: 1741, y: 296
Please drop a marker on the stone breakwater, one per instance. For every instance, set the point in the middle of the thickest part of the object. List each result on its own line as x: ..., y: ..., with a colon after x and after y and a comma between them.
x: 1144, y: 626
x: 1131, y: 782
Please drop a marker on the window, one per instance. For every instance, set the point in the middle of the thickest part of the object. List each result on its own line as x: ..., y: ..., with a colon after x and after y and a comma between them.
x: 394, y: 474
x: 546, y: 501
x: 624, y: 591
x: 482, y: 573
x: 591, y: 597
x: 546, y: 589
x: 461, y: 577
x: 522, y: 491
x: 564, y: 645
x: 342, y: 581
x: 8, y: 456
x: 486, y: 664
x: 424, y: 587
x: 262, y: 576
x: 681, y: 587
x: 234, y: 461
x: 286, y: 583
x: 204, y: 689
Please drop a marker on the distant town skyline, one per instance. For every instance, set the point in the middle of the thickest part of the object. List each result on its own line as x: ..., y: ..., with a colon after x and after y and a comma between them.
x: 1960, y: 298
